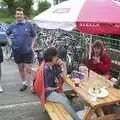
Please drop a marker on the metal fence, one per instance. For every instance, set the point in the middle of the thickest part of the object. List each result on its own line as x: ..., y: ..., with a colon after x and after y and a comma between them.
x: 112, y: 45
x: 81, y: 39
x: 108, y: 42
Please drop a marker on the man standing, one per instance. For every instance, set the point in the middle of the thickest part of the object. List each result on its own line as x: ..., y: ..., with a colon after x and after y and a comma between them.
x: 22, y: 35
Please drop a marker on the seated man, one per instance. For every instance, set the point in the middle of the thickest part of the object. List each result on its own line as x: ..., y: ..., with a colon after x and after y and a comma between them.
x: 45, y: 82
x: 100, y: 61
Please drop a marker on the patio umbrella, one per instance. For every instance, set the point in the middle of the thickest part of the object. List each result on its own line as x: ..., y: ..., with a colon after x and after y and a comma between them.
x: 88, y: 16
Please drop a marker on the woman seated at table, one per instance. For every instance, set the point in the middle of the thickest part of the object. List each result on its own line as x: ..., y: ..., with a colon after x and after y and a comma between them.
x: 44, y: 84
x: 100, y: 61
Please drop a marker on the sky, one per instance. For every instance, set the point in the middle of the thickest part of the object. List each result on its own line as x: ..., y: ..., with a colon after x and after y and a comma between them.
x: 51, y: 1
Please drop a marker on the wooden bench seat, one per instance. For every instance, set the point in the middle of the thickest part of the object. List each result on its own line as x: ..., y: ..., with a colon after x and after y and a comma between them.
x: 57, y: 111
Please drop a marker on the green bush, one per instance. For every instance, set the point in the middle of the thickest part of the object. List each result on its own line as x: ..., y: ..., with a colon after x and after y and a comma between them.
x: 7, y: 20
x: 4, y: 14
x: 6, y: 17
x: 43, y: 5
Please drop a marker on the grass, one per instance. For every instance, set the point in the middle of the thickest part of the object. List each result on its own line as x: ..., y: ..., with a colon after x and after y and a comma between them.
x: 7, y: 20
x: 6, y: 17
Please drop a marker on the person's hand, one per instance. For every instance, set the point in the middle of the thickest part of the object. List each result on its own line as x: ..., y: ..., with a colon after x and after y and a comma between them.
x: 60, y: 62
x: 53, y: 88
x: 96, y: 60
x: 59, y: 89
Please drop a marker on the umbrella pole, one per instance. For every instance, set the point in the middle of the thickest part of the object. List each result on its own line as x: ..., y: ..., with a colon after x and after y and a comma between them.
x: 88, y: 72
x: 90, y: 51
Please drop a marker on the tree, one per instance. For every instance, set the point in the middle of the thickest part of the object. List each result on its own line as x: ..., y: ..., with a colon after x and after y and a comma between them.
x: 11, y: 5
x: 26, y: 4
x: 43, y: 5
x: 2, y: 3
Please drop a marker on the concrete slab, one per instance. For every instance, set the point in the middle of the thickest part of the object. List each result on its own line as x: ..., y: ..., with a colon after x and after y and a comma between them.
x: 15, y: 105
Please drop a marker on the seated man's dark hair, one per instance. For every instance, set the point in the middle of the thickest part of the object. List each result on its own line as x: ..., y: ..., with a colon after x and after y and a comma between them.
x: 50, y: 53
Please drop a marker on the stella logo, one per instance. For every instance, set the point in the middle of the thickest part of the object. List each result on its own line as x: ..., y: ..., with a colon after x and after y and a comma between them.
x: 61, y: 10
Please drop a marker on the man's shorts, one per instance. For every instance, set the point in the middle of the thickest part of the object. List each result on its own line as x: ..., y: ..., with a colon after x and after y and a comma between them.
x: 1, y: 55
x: 26, y: 58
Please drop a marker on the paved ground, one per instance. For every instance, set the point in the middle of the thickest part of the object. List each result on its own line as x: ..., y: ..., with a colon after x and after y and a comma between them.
x: 15, y: 105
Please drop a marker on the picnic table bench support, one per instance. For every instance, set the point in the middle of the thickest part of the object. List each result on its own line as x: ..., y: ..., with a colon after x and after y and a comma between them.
x: 108, y: 117
x: 99, y: 112
x: 88, y: 114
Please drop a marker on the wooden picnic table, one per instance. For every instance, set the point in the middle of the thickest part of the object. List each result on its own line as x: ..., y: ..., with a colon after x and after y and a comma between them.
x: 95, y: 80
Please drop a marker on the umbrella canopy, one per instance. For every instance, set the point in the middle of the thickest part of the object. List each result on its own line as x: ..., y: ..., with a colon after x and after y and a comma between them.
x: 99, y: 16
x: 89, y: 16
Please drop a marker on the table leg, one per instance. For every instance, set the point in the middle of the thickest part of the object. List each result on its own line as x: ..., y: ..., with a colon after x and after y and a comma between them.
x: 88, y: 114
x: 99, y: 112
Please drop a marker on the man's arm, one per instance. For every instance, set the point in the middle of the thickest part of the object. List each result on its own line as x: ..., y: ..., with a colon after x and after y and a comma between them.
x: 61, y: 73
x: 33, y: 42
x: 8, y: 33
x: 52, y: 88
x: 33, y: 34
x: 63, y: 67
x: 32, y: 31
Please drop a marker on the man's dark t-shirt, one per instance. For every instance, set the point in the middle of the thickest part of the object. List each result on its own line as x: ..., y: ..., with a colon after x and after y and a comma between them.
x: 50, y: 75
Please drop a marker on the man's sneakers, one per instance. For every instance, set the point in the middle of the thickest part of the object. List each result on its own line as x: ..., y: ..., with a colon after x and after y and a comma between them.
x: 1, y: 90
x: 23, y: 88
x: 25, y: 85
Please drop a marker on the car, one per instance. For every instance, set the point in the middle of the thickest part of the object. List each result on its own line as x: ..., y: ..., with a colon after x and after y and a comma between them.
x: 3, y: 39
